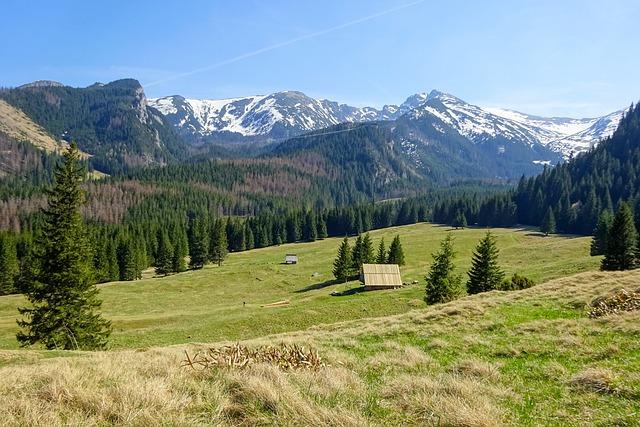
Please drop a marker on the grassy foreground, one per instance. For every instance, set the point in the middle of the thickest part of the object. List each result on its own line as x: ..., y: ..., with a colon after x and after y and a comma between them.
x: 529, y: 357
x: 207, y: 305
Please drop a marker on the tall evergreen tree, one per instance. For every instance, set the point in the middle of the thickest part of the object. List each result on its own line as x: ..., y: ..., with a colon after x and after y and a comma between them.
x: 250, y: 241
x: 63, y: 301
x: 367, y: 255
x: 485, y: 273
x: 198, y: 242
x: 460, y: 221
x: 342, y: 263
x: 127, y: 262
x: 548, y: 225
x: 218, y: 249
x: 142, y: 261
x: 322, y: 227
x: 381, y: 258
x: 112, y: 261
x: 8, y: 264
x: 601, y: 234
x: 357, y: 255
x: 621, y: 243
x: 180, y: 249
x: 293, y: 229
x: 164, y: 254
x: 396, y: 254
x: 309, y: 231
x: 443, y: 284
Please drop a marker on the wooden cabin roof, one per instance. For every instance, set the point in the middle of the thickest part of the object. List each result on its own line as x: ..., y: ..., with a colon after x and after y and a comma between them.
x: 381, y: 275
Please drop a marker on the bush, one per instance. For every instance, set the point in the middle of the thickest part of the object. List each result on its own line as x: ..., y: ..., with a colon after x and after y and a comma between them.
x: 517, y: 283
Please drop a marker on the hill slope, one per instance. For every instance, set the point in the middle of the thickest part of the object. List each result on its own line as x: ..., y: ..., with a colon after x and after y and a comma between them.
x: 579, y: 190
x: 17, y: 126
x: 207, y: 305
x: 530, y: 357
x: 112, y: 122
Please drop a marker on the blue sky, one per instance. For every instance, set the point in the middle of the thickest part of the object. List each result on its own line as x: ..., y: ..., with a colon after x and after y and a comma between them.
x: 575, y: 58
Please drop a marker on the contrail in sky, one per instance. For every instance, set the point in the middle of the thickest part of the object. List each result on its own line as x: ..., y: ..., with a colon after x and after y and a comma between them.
x: 283, y: 44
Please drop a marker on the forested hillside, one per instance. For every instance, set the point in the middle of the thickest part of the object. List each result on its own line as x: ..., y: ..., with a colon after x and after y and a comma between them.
x: 161, y: 205
x: 365, y: 155
x: 576, y: 192
x: 112, y: 122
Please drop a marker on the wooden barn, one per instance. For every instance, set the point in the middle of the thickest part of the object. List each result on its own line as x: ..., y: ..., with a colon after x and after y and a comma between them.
x: 291, y: 259
x: 380, y: 276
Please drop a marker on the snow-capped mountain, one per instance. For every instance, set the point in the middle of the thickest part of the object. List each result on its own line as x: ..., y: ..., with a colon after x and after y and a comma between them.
x: 566, y: 135
x: 282, y: 115
x: 276, y: 116
x: 472, y: 122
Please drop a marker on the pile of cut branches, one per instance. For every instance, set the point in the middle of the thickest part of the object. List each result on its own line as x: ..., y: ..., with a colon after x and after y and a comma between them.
x: 284, y: 356
x: 615, y: 303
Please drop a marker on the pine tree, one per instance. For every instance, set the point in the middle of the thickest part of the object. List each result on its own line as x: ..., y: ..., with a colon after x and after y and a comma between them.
x: 164, y: 255
x: 396, y: 254
x: 180, y: 249
x: 342, y: 263
x: 112, y: 261
x: 442, y: 284
x: 381, y: 258
x: 100, y: 258
x: 548, y: 225
x: 276, y: 235
x: 219, y: 247
x: 8, y: 264
x: 356, y: 255
x: 142, y: 261
x: 485, y: 273
x: 293, y: 229
x: 367, y: 256
x: 460, y: 220
x: 322, y: 228
x: 63, y: 301
x: 250, y: 241
x: 198, y: 242
x: 309, y: 231
x: 601, y: 234
x: 621, y: 242
x: 127, y: 262
x: 358, y: 225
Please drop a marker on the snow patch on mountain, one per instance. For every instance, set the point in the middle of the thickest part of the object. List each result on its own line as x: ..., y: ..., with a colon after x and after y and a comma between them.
x: 285, y: 114
x: 566, y: 135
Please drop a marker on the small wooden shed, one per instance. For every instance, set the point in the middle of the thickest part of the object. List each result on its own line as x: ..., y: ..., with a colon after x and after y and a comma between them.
x: 291, y: 259
x: 380, y: 276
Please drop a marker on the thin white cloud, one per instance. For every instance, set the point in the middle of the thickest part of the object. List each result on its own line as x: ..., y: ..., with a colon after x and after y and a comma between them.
x: 282, y: 44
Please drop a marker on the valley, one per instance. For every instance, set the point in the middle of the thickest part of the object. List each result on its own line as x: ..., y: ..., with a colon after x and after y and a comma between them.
x: 484, y: 360
x: 326, y: 214
x: 207, y: 305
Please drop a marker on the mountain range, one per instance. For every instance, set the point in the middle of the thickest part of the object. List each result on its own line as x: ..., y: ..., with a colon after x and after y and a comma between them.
x: 281, y: 115
x: 434, y: 136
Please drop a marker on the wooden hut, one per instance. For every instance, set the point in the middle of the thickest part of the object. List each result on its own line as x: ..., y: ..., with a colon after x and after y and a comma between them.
x: 380, y: 276
x: 291, y: 259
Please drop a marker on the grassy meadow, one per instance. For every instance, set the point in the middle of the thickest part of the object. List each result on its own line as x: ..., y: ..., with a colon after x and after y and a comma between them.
x: 224, y: 303
x: 527, y: 358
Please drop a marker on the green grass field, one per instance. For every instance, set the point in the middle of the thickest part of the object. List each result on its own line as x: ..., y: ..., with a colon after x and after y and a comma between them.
x: 529, y: 357
x: 207, y: 305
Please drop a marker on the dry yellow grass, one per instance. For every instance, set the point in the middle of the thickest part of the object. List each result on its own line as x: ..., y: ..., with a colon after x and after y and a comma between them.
x: 17, y: 125
x: 599, y: 380
x: 445, y: 400
x: 435, y: 366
